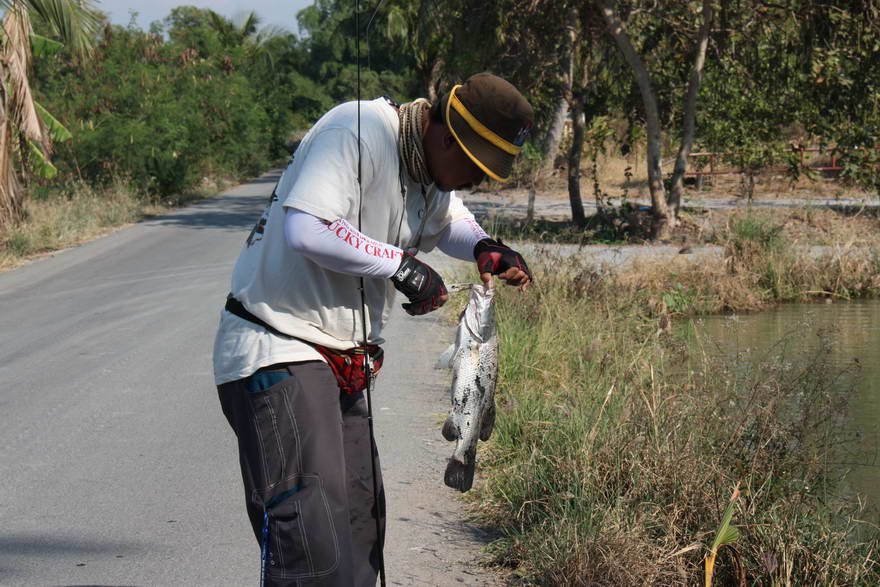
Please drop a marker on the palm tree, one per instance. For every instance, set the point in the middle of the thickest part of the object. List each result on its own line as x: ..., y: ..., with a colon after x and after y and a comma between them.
x: 27, y: 130
x: 422, y: 29
x: 246, y: 32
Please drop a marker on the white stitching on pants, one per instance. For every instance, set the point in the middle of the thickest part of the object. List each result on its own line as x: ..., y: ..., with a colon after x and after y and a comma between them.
x: 305, y: 539
x: 297, y: 445
x: 277, y: 437
x: 262, y: 447
x: 280, y: 547
x: 332, y: 528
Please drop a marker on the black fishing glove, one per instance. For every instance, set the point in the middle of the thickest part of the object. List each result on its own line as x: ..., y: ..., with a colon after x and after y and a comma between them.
x: 420, y: 284
x: 495, y: 257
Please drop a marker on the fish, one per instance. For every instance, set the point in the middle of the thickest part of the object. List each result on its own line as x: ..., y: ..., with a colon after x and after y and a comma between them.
x: 473, y: 358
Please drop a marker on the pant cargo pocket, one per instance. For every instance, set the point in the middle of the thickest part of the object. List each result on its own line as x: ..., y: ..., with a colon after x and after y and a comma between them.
x: 301, y: 537
x: 276, y: 444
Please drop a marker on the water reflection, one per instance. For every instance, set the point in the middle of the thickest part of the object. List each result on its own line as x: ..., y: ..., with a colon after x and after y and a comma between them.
x: 853, y: 329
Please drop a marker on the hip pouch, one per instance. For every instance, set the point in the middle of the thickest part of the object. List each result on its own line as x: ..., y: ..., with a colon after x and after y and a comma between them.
x: 348, y: 365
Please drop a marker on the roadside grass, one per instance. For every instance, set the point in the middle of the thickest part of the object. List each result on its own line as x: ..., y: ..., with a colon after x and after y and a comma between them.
x: 617, y: 445
x: 60, y: 219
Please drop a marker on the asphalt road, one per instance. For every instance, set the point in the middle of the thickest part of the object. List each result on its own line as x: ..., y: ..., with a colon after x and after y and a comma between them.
x: 118, y: 467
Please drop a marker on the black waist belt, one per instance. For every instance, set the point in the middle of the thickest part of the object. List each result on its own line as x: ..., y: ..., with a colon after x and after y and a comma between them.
x: 233, y: 306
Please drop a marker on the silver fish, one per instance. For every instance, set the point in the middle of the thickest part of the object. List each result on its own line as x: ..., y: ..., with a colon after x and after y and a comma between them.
x: 473, y: 358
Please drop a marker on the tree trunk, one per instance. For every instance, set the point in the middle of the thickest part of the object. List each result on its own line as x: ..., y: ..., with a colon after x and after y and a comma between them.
x: 11, y: 209
x: 554, y: 133
x: 574, y: 163
x: 530, y: 210
x: 557, y: 125
x: 660, y: 210
x: 690, y: 111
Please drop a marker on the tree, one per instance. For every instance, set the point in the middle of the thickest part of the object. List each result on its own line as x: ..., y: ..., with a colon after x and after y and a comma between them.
x: 191, y: 26
x: 26, y: 129
x: 422, y: 30
x: 259, y: 44
x: 664, y: 29
x: 556, y: 126
x: 578, y: 77
x: 618, y: 32
x: 331, y: 54
x: 690, y: 111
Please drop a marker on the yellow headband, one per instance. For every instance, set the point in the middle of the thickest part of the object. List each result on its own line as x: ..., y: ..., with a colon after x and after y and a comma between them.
x: 481, y: 130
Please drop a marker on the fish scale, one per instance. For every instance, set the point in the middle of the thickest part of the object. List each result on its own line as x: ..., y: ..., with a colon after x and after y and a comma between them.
x: 473, y: 358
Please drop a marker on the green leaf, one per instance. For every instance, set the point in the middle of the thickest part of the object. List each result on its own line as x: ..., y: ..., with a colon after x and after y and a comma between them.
x: 57, y: 131
x: 726, y: 533
x: 731, y: 534
x: 43, y: 47
x: 40, y: 163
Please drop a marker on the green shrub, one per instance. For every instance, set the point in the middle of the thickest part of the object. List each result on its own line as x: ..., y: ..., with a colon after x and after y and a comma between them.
x: 161, y: 114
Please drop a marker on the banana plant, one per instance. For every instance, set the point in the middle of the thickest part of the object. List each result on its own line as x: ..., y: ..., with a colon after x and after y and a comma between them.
x: 27, y: 130
x: 726, y: 534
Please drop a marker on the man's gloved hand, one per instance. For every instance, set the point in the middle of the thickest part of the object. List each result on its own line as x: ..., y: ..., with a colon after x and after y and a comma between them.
x: 496, y: 258
x: 420, y: 284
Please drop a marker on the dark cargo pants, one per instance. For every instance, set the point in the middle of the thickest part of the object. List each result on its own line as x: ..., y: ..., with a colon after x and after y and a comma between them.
x: 304, y: 451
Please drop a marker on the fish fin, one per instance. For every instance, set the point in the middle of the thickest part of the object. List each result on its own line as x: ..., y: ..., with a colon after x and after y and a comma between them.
x: 449, y: 432
x: 488, y: 423
x: 461, y: 475
x: 445, y: 360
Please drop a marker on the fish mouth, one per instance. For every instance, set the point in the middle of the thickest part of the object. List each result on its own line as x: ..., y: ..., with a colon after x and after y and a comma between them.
x: 457, y: 287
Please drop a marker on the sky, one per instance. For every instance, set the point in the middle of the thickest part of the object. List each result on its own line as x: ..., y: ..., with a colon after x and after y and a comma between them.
x: 272, y: 12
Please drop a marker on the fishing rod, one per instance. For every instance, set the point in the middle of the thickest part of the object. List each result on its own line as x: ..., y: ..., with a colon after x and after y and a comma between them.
x: 368, y: 366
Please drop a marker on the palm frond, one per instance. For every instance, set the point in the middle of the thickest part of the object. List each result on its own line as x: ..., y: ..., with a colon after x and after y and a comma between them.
x: 16, y: 55
x: 74, y: 22
x: 10, y: 204
x: 221, y: 25
x: 725, y: 535
x: 57, y: 131
x: 43, y: 47
x: 250, y: 24
x: 39, y: 162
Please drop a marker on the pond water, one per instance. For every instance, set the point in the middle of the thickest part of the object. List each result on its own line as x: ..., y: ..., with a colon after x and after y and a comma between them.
x: 853, y: 329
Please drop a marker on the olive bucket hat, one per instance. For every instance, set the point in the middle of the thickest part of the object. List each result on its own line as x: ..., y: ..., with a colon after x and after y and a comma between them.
x: 490, y: 119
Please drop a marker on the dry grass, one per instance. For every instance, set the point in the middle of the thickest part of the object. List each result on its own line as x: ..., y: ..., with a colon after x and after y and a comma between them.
x: 761, y: 267
x: 618, y: 443
x: 80, y: 214
x: 619, y: 176
x: 803, y: 223
x: 813, y: 226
